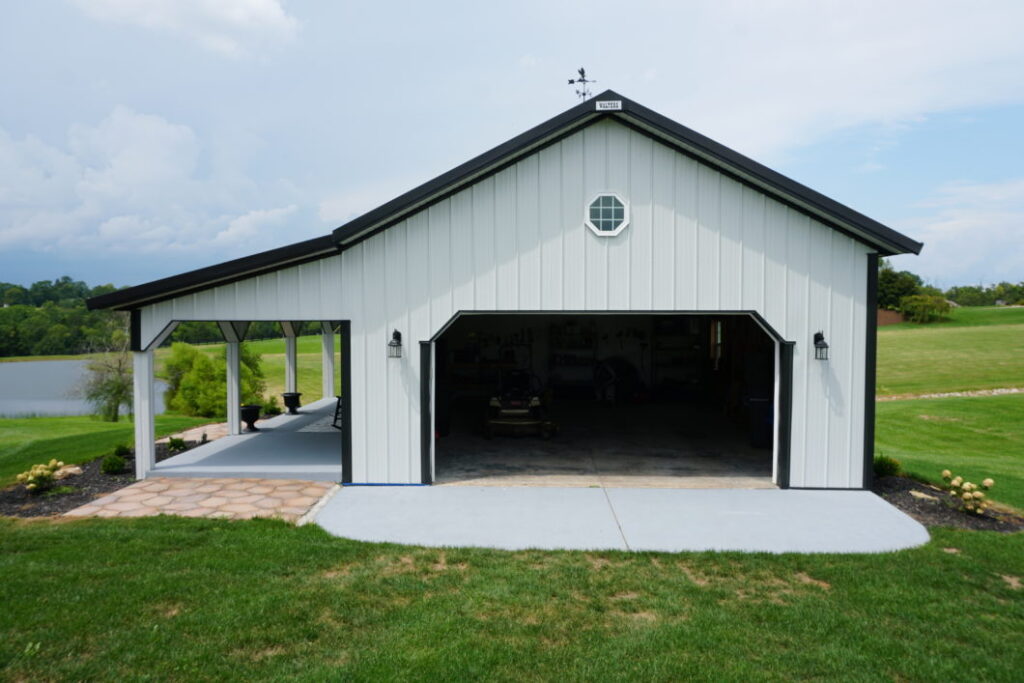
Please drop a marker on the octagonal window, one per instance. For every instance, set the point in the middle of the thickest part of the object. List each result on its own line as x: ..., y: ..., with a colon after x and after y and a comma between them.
x: 607, y: 215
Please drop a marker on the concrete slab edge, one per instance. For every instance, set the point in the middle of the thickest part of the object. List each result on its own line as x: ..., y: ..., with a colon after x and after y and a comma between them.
x: 312, y: 512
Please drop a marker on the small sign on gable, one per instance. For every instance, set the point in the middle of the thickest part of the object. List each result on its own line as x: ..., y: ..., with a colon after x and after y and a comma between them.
x: 609, y: 105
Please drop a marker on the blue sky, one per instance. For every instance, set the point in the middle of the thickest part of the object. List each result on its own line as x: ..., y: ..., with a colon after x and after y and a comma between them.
x: 141, y: 138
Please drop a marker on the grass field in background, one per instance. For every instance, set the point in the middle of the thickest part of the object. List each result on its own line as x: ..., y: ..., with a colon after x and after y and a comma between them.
x: 937, y: 358
x: 977, y: 437
x: 182, y: 599
x: 972, y: 316
x: 32, y: 440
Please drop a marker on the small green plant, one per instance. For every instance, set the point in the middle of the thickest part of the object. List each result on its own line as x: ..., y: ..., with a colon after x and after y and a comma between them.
x: 176, y: 445
x: 968, y: 496
x: 59, y: 491
x: 112, y: 464
x: 40, y: 477
x: 122, y: 450
x: 887, y: 467
x: 270, y: 407
x: 924, y: 308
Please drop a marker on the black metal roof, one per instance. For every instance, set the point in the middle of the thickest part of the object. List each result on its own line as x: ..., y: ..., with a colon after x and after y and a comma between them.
x: 828, y: 211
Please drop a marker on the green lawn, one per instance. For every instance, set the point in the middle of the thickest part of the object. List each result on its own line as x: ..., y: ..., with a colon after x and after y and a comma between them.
x: 938, y: 358
x: 977, y: 437
x: 177, y: 599
x: 972, y: 317
x: 28, y: 441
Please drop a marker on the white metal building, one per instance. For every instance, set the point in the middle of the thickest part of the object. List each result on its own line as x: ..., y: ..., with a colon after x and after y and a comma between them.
x: 608, y: 209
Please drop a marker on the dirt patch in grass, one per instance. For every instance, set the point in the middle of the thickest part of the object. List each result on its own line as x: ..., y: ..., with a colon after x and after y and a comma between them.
x: 1011, y: 581
x: 933, y: 507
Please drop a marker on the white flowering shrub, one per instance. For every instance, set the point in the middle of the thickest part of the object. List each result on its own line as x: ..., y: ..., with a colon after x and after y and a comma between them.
x: 40, y: 477
x: 970, y: 497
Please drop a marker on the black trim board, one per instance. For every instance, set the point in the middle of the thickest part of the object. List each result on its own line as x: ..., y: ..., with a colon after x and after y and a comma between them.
x: 345, y: 332
x: 870, y: 369
x: 785, y: 416
x: 585, y: 113
x: 636, y: 116
x: 426, y: 419
x: 219, y: 274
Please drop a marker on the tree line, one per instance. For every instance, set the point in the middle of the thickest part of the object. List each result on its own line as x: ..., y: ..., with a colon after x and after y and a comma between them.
x: 49, y: 318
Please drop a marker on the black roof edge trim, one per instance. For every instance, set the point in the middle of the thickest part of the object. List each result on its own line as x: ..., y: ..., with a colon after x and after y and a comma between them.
x: 221, y: 273
x: 887, y: 240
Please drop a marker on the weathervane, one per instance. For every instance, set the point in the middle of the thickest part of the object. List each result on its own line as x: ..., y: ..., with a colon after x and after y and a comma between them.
x: 581, y: 83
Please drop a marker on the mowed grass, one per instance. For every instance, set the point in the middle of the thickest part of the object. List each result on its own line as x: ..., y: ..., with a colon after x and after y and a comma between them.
x: 28, y: 441
x: 976, y: 437
x: 978, y: 349
x: 179, y: 599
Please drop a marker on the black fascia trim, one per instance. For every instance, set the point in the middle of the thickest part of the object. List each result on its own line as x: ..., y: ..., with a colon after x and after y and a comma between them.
x: 692, y: 143
x: 715, y: 151
x: 426, y: 420
x: 219, y: 274
x: 757, y: 317
x: 870, y: 369
x: 345, y: 332
x: 476, y: 168
x: 135, y: 330
x: 785, y: 417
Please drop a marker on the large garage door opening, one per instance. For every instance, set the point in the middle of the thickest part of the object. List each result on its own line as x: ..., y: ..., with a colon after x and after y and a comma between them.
x: 660, y: 400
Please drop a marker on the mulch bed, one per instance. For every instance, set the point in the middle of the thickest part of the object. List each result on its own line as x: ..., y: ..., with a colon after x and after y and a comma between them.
x: 937, y: 509
x: 16, y: 501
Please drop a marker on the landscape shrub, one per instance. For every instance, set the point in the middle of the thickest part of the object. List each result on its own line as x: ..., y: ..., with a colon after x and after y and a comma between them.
x: 123, y: 450
x: 886, y: 466
x: 40, y: 477
x: 270, y: 407
x: 176, y: 445
x: 924, y: 308
x: 968, y: 496
x: 195, y: 380
x: 112, y: 464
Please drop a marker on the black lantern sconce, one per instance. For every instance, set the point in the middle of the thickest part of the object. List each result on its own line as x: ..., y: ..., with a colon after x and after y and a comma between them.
x: 395, y: 345
x: 820, y: 346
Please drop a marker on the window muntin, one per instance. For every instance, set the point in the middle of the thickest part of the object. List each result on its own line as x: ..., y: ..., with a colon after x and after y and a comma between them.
x: 607, y: 215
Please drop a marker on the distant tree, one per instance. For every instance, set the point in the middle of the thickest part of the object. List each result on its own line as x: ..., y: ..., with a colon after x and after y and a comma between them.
x: 924, y: 308
x: 196, y: 381
x: 893, y: 285
x: 108, y: 382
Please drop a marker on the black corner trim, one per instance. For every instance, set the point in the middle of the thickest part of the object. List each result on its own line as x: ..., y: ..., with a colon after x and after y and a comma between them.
x: 345, y: 331
x: 135, y: 330
x: 785, y: 417
x: 426, y: 420
x: 870, y: 369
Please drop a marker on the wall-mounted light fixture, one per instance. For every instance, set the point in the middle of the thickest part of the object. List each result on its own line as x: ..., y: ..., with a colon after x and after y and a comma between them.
x: 395, y: 345
x: 820, y: 346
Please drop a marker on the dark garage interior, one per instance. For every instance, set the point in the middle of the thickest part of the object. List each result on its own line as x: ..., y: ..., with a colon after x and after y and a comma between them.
x: 661, y: 400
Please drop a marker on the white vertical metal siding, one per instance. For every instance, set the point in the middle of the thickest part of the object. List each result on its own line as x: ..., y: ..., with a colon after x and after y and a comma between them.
x: 515, y: 241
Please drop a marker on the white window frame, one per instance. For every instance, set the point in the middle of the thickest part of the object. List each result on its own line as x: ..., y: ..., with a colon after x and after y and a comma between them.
x: 606, y: 233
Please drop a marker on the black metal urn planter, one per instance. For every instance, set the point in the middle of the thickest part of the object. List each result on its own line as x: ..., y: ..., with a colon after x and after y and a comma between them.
x: 250, y: 414
x: 291, y: 401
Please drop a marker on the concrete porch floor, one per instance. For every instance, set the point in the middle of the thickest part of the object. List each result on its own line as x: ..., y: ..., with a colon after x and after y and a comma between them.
x: 303, y: 447
x: 665, y: 520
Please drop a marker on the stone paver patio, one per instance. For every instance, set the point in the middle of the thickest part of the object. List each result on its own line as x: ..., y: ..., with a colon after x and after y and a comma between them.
x: 286, y: 499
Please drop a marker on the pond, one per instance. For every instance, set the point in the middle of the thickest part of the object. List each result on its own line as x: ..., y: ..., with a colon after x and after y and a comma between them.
x: 47, y: 387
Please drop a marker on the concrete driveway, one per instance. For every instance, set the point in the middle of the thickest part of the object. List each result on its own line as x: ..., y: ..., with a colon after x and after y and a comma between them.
x: 668, y: 520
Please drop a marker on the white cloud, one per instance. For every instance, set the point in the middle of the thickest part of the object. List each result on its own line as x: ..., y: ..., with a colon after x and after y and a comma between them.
x: 766, y: 77
x: 244, y: 229
x: 130, y: 184
x: 230, y: 27
x: 975, y: 231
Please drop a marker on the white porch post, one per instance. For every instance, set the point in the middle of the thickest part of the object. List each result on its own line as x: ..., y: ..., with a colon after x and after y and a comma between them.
x: 145, y: 431
x: 234, y: 380
x: 327, y: 360
x: 290, y: 363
